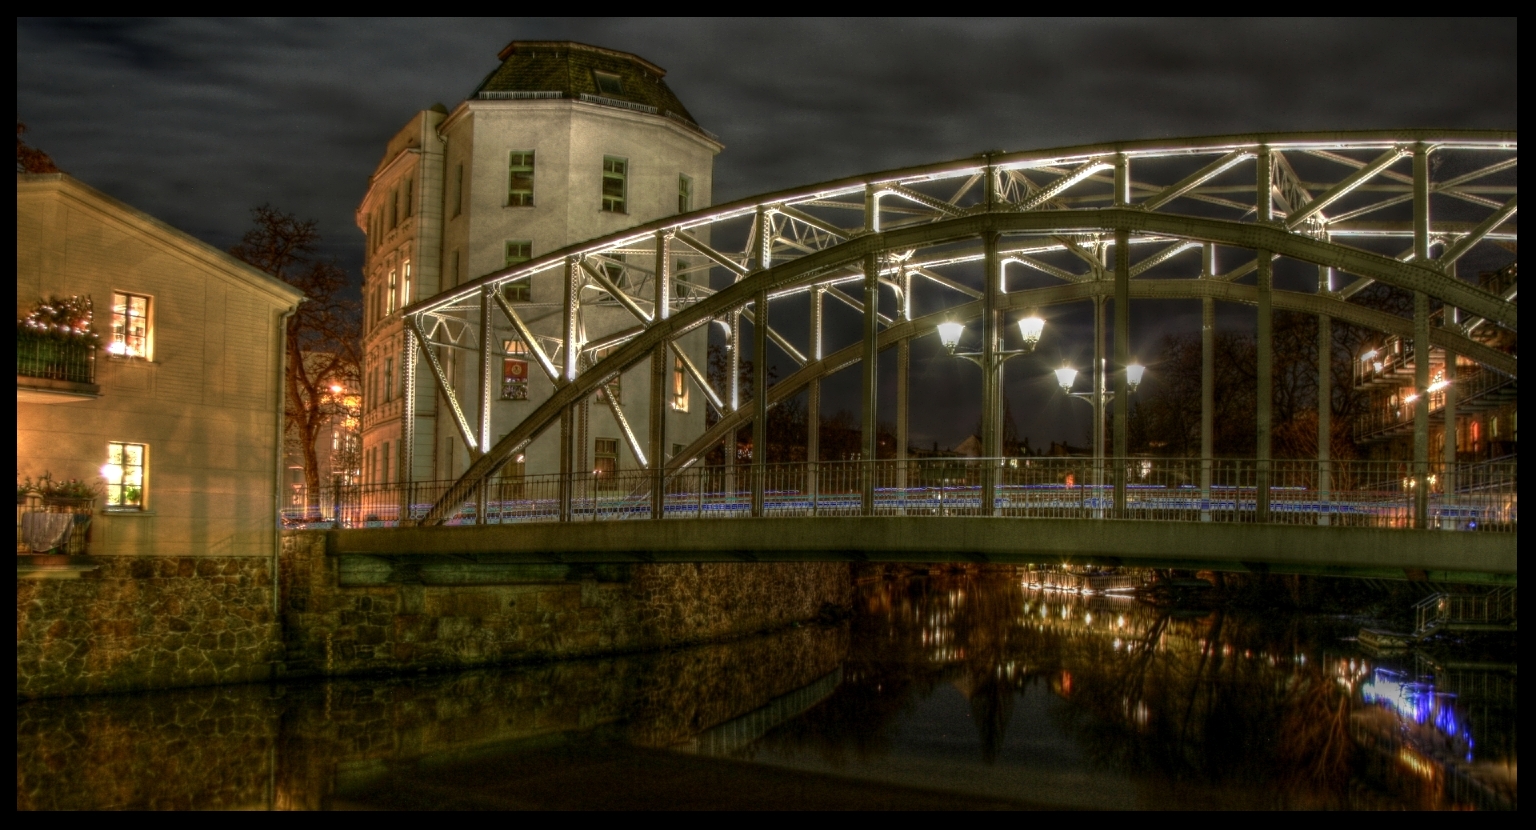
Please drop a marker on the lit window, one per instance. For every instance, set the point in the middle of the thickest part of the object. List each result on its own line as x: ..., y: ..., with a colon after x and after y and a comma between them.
x: 605, y: 462
x: 514, y: 379
x: 130, y: 326
x: 615, y: 184
x: 684, y: 194
x: 679, y: 386
x: 405, y: 284
x: 514, y: 371
x: 520, y: 178
x: 608, y: 83
x: 124, y: 473
x: 389, y: 298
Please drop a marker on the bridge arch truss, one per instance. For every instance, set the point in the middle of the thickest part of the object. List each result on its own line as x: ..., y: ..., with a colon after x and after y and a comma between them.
x: 1107, y: 224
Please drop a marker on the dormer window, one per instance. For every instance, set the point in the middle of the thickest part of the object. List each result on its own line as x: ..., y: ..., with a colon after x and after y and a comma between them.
x: 608, y: 83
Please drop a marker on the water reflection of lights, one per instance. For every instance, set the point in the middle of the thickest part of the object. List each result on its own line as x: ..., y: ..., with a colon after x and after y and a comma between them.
x: 1417, y: 702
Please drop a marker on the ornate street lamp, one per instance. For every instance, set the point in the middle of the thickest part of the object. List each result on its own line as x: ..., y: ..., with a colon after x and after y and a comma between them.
x: 1066, y: 376
x: 1030, y: 329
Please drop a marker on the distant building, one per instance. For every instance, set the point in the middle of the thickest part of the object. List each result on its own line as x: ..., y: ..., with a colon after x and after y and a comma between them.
x: 1486, y: 402
x: 563, y: 142
x: 338, y: 447
x: 177, y: 416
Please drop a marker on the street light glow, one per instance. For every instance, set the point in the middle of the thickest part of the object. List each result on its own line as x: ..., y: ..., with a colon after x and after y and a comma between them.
x: 1133, y: 374
x: 949, y: 334
x: 1065, y: 377
x: 1030, y: 328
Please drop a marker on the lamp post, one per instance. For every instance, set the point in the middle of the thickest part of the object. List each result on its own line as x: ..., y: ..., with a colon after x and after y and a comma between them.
x: 991, y: 359
x: 1066, y: 376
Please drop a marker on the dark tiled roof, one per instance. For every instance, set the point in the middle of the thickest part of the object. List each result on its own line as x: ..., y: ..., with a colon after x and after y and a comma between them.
x: 566, y: 67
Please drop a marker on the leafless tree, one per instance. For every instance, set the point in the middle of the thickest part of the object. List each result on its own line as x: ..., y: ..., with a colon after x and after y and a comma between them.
x: 324, y: 360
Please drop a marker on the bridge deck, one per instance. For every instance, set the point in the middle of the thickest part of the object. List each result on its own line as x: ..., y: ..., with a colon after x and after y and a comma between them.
x: 1385, y: 553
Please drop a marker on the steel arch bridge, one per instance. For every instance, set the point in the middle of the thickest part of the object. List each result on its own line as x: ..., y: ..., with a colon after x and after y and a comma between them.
x: 1201, y: 219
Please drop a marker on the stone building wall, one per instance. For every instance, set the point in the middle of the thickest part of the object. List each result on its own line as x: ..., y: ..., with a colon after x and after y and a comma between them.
x: 146, y: 623
x: 339, y: 617
x: 138, y: 623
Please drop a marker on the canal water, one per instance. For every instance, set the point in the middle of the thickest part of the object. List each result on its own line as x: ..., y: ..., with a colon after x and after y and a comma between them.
x: 945, y: 691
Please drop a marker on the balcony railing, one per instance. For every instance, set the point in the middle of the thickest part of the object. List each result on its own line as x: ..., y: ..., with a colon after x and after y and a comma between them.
x: 1479, y: 497
x: 48, y: 358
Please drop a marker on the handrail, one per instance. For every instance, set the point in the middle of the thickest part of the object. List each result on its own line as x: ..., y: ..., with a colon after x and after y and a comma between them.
x: 1483, y: 497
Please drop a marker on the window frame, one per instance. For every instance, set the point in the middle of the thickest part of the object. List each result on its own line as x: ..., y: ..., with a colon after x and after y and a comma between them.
x: 679, y: 385
x: 611, y: 480
x: 143, y: 479
x: 145, y: 336
x: 684, y: 193
x: 518, y: 197
x: 600, y: 76
x: 610, y: 203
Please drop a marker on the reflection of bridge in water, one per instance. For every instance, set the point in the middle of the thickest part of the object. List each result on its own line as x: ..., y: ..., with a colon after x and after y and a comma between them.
x: 1301, y: 223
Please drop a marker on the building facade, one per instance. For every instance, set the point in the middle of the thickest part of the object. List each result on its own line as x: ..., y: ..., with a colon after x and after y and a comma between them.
x: 175, y: 419
x: 561, y: 143
x: 1483, y: 404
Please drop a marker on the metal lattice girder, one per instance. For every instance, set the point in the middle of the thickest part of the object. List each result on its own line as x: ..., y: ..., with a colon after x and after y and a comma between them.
x: 1046, y: 205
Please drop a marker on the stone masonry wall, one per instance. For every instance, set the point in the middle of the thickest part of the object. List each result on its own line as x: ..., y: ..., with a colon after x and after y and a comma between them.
x: 139, y: 623
x: 146, y: 623
x: 330, y: 628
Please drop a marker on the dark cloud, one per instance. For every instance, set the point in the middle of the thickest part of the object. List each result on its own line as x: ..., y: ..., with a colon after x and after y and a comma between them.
x: 195, y: 121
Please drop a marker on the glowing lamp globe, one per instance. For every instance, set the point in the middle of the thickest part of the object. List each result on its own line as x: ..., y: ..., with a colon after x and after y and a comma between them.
x: 1030, y: 328
x: 1065, y: 377
x: 1133, y: 375
x: 949, y: 335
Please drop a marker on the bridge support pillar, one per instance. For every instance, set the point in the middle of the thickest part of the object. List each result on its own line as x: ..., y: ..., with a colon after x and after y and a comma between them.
x: 1207, y: 399
x: 660, y: 364
x: 869, y: 383
x: 1324, y: 416
x: 1265, y: 396
x: 1421, y: 354
x: 1122, y: 359
x: 567, y: 416
x: 1421, y: 348
x: 1448, y: 445
x: 759, y: 401
x: 1100, y: 393
x: 903, y: 367
x: 733, y: 390
x: 813, y: 408
x: 991, y: 376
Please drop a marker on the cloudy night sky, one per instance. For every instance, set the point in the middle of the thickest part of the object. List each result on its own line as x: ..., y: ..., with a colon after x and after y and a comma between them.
x: 196, y: 121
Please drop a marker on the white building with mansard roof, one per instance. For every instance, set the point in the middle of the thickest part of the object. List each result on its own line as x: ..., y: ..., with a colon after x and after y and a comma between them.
x: 561, y: 143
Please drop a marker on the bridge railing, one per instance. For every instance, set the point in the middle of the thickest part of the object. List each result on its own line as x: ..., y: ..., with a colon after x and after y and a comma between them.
x: 1382, y: 494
